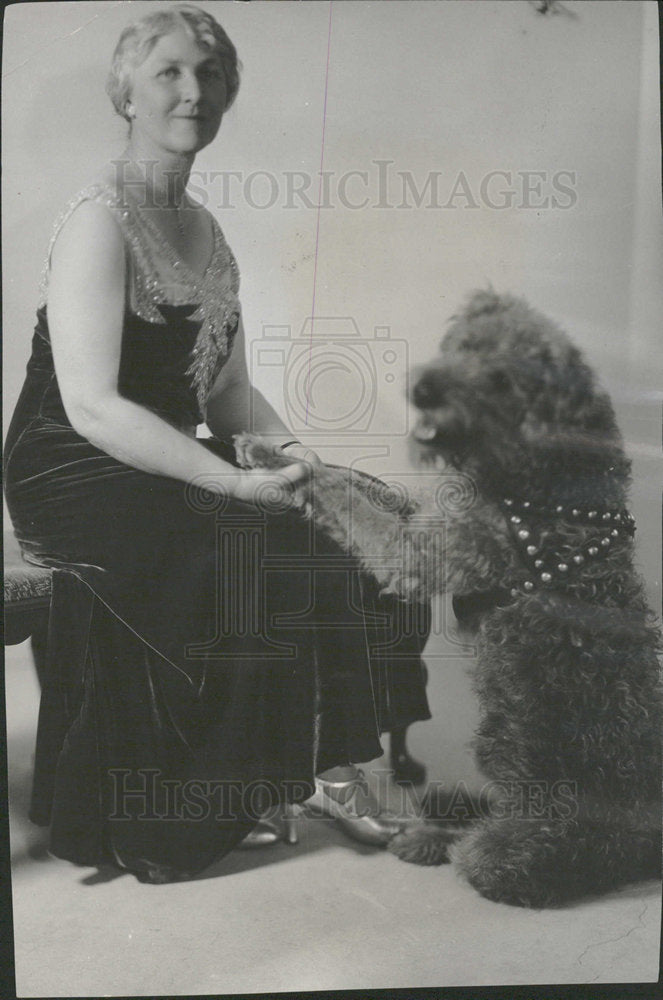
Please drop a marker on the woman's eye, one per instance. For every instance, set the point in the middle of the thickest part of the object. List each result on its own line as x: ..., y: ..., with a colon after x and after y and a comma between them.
x: 170, y: 72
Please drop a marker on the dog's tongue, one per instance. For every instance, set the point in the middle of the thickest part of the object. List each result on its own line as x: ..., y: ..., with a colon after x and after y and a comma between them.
x: 425, y: 431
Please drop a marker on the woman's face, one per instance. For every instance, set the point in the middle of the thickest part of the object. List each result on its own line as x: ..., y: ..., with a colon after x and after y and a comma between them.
x: 178, y: 95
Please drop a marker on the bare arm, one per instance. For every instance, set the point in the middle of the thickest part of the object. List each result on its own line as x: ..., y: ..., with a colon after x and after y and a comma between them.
x: 85, y: 313
x: 234, y: 405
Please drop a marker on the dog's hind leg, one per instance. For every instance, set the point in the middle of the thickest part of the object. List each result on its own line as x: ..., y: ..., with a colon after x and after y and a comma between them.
x: 540, y: 863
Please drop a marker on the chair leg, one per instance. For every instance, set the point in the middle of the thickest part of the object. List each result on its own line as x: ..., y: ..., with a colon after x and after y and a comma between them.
x: 407, y: 770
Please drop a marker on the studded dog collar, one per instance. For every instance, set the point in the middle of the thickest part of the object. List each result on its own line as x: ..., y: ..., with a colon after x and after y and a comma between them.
x: 550, y: 562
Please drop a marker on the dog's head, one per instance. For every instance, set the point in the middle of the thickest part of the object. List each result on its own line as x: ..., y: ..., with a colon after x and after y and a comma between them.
x: 505, y: 382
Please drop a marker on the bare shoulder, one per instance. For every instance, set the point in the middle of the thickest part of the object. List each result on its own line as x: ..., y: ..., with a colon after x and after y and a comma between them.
x: 90, y: 232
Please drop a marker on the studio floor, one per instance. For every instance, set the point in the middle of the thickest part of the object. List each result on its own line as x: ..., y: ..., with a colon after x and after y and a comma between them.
x: 328, y: 914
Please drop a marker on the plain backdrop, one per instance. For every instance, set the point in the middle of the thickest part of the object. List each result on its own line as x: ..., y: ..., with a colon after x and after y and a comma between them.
x: 473, y: 95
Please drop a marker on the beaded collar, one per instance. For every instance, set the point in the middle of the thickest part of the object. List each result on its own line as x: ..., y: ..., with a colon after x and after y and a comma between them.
x: 551, y: 563
x: 157, y: 276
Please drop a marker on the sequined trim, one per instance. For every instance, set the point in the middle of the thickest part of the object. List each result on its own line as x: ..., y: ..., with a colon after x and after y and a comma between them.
x: 159, y: 277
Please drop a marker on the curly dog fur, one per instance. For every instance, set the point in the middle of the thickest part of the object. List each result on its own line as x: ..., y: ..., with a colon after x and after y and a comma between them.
x: 567, y: 674
x: 391, y: 535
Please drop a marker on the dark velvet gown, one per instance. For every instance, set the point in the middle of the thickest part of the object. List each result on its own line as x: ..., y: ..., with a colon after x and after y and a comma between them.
x: 206, y: 657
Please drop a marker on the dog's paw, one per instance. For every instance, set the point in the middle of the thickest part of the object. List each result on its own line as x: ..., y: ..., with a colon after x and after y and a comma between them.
x: 425, y: 844
x: 244, y: 444
x: 523, y: 862
x: 254, y: 452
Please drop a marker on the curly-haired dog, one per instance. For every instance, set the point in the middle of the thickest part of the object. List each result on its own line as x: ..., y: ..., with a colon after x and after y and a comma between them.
x: 567, y: 673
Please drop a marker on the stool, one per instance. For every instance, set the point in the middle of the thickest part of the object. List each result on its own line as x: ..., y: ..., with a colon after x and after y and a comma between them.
x: 27, y: 596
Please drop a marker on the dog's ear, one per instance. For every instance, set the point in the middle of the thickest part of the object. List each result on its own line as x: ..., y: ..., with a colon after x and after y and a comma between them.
x: 594, y: 411
x: 579, y: 400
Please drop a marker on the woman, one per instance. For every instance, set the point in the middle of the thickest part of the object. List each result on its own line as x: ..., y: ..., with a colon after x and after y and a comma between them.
x: 203, y: 664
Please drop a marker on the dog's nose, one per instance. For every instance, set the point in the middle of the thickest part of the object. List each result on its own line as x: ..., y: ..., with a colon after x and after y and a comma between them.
x: 425, y: 394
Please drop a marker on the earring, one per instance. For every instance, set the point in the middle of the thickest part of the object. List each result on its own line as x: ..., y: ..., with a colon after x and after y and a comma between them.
x: 131, y: 111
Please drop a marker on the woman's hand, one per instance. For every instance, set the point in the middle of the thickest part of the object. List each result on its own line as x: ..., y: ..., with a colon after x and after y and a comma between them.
x: 271, y: 489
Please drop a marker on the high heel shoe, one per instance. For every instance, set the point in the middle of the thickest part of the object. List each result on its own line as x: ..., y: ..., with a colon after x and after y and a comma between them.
x: 291, y: 814
x: 356, y: 811
x: 162, y: 875
x: 266, y: 833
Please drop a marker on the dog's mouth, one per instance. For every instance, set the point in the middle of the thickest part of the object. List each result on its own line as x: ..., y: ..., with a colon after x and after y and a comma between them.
x: 425, y: 430
x: 444, y: 431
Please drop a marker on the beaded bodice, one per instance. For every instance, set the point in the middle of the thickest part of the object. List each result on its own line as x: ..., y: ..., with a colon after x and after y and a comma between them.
x: 158, y: 279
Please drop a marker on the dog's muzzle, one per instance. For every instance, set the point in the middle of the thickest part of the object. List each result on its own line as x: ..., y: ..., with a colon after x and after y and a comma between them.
x: 445, y: 418
x: 424, y: 431
x: 442, y: 428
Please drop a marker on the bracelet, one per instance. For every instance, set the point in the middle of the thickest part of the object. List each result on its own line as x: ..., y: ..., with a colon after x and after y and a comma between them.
x: 288, y: 443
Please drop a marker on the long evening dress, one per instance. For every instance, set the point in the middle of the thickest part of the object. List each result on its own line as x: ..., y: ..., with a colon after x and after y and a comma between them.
x: 205, y: 655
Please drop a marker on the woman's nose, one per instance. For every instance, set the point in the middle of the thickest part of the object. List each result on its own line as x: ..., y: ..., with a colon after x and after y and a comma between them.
x: 190, y: 88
